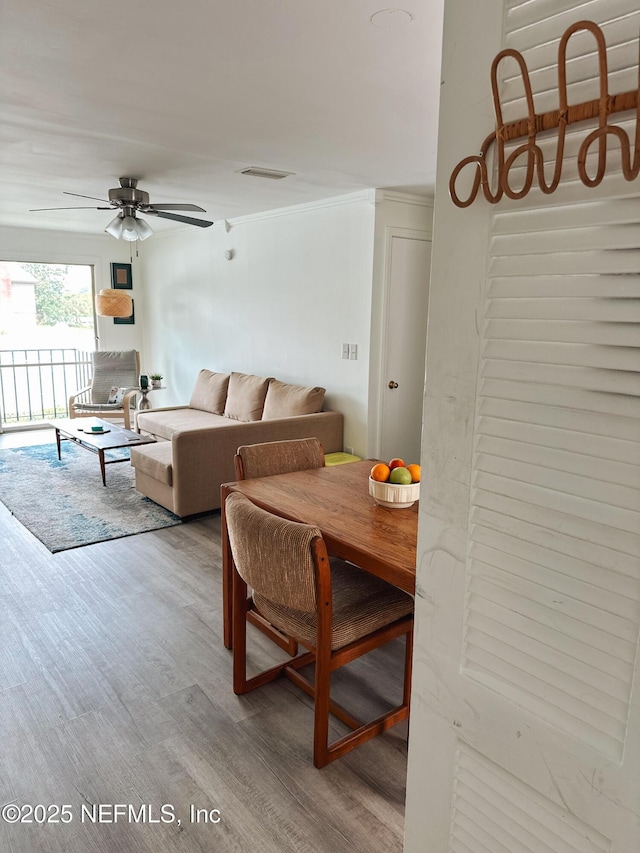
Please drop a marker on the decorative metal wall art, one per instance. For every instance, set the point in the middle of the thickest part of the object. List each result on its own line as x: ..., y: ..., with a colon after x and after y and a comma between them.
x: 601, y: 107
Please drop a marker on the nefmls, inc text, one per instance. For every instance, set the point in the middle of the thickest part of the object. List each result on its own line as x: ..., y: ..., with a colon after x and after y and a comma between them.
x: 127, y: 813
x: 144, y: 813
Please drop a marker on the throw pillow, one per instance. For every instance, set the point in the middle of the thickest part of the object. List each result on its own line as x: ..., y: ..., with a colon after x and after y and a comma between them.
x: 116, y: 395
x: 286, y: 401
x: 210, y: 392
x: 245, y: 397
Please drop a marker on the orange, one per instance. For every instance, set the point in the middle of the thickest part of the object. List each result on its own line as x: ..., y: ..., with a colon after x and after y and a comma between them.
x: 414, y: 470
x: 380, y: 472
x: 397, y: 463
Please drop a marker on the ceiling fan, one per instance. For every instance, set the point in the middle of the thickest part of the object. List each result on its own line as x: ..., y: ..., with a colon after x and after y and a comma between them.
x: 128, y: 200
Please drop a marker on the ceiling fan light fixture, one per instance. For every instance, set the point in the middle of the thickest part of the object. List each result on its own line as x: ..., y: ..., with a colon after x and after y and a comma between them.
x: 115, y: 227
x: 144, y: 230
x: 128, y: 227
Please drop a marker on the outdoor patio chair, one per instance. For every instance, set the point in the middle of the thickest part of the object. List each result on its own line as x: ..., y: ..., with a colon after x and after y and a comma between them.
x: 116, y: 376
x: 337, y: 611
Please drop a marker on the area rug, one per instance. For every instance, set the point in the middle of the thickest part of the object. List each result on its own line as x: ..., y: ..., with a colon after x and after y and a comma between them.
x: 64, y: 504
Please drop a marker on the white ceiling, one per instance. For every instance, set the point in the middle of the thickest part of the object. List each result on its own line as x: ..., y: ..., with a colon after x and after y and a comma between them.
x: 184, y: 93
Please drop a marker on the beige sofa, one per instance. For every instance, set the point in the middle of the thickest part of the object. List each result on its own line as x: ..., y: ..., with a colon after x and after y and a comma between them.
x: 196, y: 443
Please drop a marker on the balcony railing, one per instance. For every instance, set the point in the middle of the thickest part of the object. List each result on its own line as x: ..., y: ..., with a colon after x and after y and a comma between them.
x: 35, y: 384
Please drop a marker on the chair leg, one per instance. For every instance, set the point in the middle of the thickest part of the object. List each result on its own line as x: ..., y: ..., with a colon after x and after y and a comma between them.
x: 321, y: 708
x: 320, y: 689
x: 239, y: 626
x: 323, y: 752
x: 242, y: 684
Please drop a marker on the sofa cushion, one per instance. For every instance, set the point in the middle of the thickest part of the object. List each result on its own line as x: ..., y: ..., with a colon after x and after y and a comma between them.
x: 164, y: 423
x: 245, y: 397
x: 210, y: 392
x: 287, y: 401
x: 154, y: 460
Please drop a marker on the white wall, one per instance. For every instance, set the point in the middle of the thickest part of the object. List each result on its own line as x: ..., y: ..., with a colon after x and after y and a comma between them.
x: 62, y: 247
x: 302, y: 281
x: 299, y: 284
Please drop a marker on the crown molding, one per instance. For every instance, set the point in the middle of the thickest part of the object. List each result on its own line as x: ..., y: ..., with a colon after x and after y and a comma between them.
x: 371, y: 196
x: 336, y: 201
x: 404, y: 198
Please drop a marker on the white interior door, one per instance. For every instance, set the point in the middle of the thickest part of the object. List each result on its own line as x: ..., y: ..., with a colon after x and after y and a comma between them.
x: 525, y: 727
x: 405, y: 346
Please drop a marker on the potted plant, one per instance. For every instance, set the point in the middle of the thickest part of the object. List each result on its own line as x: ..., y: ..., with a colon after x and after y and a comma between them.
x: 156, y: 379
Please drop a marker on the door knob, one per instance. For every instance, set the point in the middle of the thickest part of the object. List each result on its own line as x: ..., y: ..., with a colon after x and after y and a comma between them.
x: 393, y: 384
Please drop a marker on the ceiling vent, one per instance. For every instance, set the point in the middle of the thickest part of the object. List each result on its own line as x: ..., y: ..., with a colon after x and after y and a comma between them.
x: 259, y: 172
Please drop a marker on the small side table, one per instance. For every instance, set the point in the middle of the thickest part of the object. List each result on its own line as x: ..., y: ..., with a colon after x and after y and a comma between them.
x: 144, y: 404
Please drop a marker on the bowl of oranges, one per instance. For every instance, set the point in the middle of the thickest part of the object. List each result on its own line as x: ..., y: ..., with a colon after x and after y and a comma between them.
x: 394, y: 484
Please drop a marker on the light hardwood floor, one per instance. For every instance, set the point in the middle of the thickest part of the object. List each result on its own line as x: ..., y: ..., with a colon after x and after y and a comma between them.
x: 115, y: 688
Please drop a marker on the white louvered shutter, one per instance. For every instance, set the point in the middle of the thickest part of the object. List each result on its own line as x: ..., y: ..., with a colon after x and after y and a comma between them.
x: 549, y: 604
x: 554, y: 570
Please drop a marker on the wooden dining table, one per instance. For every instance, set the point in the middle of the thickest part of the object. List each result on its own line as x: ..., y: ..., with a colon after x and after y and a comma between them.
x: 336, y: 500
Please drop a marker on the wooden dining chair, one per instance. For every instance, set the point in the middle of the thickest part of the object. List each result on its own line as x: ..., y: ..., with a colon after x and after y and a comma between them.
x: 278, y: 457
x: 336, y: 611
x: 264, y: 460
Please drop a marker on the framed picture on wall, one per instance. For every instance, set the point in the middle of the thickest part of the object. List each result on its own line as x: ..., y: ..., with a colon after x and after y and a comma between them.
x: 121, y: 276
x: 126, y: 321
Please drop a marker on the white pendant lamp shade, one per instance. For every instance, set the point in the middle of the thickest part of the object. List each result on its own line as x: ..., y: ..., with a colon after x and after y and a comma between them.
x: 144, y: 230
x: 115, y: 227
x: 113, y: 303
x: 128, y: 227
x: 129, y: 230
x: 134, y: 229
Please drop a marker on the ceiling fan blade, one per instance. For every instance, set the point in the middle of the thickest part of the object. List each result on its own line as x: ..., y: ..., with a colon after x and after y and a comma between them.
x: 177, y: 207
x: 79, y: 195
x: 201, y: 223
x: 36, y: 209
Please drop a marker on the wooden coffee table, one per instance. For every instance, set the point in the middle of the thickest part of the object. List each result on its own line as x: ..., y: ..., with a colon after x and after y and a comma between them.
x: 114, y: 437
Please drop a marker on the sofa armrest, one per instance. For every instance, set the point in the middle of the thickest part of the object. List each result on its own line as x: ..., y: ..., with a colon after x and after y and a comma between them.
x: 204, y: 459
